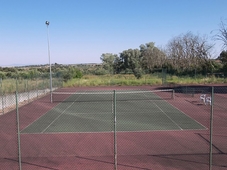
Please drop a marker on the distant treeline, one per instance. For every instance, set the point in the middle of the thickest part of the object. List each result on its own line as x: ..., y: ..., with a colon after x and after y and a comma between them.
x: 65, y: 72
x: 187, y: 54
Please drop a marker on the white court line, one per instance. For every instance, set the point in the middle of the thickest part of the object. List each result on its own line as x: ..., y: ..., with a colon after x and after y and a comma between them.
x: 188, y: 116
x: 57, y: 118
x: 165, y: 113
x: 169, y: 117
x: 40, y: 117
x: 108, y: 113
x: 133, y: 131
x: 85, y: 113
x: 60, y: 115
x: 119, y: 113
x: 184, y: 114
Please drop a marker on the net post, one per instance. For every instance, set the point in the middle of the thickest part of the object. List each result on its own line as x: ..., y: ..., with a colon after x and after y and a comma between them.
x: 115, y: 130
x: 211, y: 128
x: 173, y: 94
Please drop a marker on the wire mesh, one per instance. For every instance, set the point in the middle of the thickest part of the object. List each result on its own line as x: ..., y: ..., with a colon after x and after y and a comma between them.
x: 219, y: 137
x: 117, y: 129
x: 9, y: 155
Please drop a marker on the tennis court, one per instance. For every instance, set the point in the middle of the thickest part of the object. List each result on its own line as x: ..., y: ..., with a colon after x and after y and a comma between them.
x: 121, y: 128
x: 92, y: 111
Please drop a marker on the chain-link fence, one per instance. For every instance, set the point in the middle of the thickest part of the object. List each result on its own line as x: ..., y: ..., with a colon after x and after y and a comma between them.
x: 27, y: 91
x: 117, y: 128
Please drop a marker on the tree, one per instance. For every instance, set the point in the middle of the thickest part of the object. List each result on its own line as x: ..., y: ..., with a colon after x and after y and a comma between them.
x: 2, y: 75
x: 131, y: 60
x: 151, y: 56
x: 221, y: 34
x: 108, y: 61
x: 223, y: 57
x: 71, y: 73
x: 188, y: 52
x: 118, y: 65
x: 32, y: 73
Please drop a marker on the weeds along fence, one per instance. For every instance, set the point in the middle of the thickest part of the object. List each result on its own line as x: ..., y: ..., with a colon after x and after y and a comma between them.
x: 27, y: 89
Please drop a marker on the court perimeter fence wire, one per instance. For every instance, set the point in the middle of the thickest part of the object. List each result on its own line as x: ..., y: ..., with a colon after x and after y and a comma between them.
x: 27, y: 91
x: 116, y: 128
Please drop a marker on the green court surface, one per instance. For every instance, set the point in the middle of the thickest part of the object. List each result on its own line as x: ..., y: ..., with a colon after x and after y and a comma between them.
x: 98, y: 116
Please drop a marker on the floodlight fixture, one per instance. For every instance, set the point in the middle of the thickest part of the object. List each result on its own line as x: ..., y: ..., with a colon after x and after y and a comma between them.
x: 47, y: 23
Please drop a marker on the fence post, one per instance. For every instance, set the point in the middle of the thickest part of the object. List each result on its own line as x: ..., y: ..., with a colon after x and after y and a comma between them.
x: 2, y: 96
x: 115, y: 131
x: 3, y: 110
x: 36, y: 86
x: 211, y: 127
x: 27, y: 90
x: 18, y: 131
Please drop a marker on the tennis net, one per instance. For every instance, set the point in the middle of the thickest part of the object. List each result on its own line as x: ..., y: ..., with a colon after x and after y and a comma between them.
x: 104, y: 96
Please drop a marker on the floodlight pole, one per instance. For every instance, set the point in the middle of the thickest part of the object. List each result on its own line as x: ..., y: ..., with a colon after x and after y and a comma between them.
x: 47, y: 24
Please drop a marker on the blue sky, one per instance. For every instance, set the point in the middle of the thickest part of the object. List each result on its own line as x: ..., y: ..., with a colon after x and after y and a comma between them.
x: 80, y: 31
